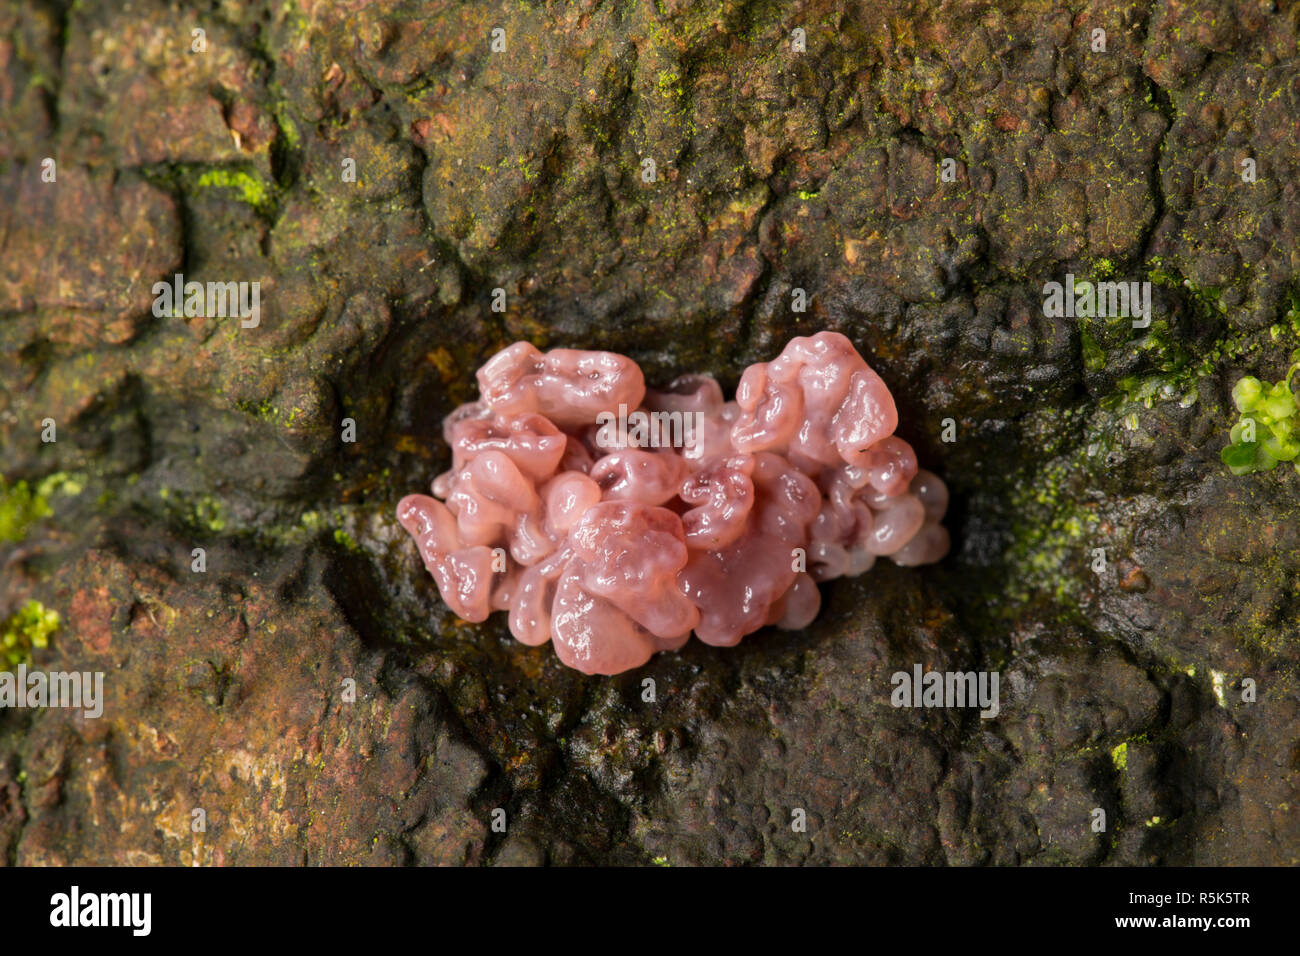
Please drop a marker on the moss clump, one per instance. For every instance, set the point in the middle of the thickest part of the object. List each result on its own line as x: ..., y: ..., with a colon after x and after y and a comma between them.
x: 207, y: 514
x: 264, y: 410
x: 252, y: 191
x: 203, y: 513
x: 1094, y: 359
x: 346, y: 540
x: 288, y: 128
x: 19, y: 507
x: 1057, y: 525
x: 27, y: 628
x: 1119, y: 757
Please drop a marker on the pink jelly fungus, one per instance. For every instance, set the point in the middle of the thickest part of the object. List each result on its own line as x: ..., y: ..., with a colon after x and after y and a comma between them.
x: 613, y: 546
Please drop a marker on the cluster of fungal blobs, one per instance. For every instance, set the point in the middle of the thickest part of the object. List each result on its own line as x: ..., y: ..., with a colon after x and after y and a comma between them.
x: 613, y: 520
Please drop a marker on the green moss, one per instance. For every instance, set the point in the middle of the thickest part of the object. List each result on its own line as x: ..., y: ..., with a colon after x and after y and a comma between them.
x: 1094, y: 359
x: 20, y: 506
x: 1173, y: 367
x: 1208, y: 298
x: 204, y: 512
x: 61, y: 483
x: 31, y: 626
x: 289, y: 128
x: 669, y: 83
x: 1056, y: 528
x: 263, y: 410
x: 207, y: 512
x: 1119, y: 757
x: 251, y: 190
x: 345, y: 539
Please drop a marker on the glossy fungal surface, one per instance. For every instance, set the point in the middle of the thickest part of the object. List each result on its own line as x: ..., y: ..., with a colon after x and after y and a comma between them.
x: 614, y: 521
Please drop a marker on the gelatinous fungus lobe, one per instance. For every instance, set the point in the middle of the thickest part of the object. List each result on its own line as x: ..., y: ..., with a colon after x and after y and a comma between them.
x: 614, y: 544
